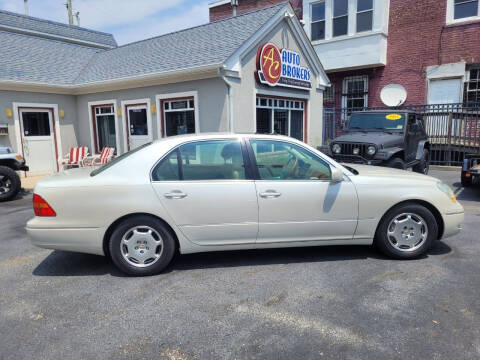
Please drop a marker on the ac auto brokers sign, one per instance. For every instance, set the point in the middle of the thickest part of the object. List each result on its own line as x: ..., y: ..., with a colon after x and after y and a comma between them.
x: 281, y: 68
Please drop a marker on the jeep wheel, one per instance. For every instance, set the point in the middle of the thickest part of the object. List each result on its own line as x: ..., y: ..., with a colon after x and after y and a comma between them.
x: 396, y: 163
x: 424, y: 165
x: 9, y: 183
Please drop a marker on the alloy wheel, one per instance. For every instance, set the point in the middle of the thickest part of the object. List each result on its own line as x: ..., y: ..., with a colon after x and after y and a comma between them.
x: 407, y: 232
x: 141, y: 246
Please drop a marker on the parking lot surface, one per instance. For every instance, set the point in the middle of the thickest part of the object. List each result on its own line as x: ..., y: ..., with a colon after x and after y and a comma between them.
x: 303, y: 303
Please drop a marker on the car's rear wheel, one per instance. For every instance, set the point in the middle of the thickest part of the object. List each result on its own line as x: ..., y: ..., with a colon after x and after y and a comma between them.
x: 142, y: 245
x: 10, y: 183
x: 396, y: 163
x: 406, y: 231
x: 424, y: 165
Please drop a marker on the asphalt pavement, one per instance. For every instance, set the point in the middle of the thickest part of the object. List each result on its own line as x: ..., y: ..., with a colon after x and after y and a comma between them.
x: 304, y: 303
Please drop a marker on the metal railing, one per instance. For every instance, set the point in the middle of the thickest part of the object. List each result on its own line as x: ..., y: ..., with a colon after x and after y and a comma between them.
x: 453, y: 129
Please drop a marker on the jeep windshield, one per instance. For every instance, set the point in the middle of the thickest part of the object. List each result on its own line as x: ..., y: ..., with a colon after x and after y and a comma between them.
x: 388, y: 121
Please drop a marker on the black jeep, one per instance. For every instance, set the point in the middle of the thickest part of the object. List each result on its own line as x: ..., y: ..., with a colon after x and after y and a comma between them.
x: 394, y: 139
x: 9, y: 180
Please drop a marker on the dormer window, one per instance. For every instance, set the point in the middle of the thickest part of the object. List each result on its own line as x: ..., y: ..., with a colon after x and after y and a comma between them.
x: 465, y: 9
x: 364, y: 15
x: 318, y: 21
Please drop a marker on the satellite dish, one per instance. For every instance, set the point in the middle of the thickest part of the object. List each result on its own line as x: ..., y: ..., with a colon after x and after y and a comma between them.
x: 393, y: 95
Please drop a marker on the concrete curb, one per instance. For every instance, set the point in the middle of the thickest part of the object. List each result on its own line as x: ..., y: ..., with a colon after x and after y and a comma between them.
x: 445, y: 168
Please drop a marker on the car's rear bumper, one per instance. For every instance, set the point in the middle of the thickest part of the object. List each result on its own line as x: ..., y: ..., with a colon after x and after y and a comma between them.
x: 453, y: 223
x: 85, y: 240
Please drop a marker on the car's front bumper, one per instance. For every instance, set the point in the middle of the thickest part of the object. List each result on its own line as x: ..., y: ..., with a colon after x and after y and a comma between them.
x: 452, y: 223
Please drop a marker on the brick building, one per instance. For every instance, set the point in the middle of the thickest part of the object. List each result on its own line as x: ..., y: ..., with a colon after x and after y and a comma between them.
x: 430, y: 47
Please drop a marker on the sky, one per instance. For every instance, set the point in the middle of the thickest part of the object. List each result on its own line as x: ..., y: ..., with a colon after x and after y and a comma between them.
x: 127, y: 20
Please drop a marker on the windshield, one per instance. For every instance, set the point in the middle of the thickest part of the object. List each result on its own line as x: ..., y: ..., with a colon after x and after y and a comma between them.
x: 381, y: 121
x: 117, y: 160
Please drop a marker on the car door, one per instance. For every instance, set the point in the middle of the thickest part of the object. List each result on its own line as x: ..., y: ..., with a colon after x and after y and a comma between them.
x: 205, y: 189
x: 296, y: 199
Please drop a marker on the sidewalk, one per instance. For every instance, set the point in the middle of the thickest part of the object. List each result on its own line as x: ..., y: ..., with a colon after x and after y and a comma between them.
x: 28, y: 183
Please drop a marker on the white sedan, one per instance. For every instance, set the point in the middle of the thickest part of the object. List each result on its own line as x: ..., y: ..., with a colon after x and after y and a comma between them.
x: 212, y: 192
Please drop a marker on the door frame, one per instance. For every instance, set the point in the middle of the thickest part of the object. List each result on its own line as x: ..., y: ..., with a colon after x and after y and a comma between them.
x: 53, y: 109
x: 91, y: 118
x: 130, y: 103
x: 160, y: 99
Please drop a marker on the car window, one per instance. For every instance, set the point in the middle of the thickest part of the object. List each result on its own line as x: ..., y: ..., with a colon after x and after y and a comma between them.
x: 168, y: 169
x: 203, y: 160
x: 278, y: 160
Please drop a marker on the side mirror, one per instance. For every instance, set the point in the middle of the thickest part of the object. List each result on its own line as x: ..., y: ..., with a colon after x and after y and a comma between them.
x: 337, y: 175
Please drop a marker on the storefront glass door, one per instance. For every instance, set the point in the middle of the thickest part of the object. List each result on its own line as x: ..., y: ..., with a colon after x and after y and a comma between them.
x: 105, y: 128
x: 137, y: 123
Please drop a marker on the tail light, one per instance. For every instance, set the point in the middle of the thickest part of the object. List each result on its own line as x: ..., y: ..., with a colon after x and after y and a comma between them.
x: 41, y: 207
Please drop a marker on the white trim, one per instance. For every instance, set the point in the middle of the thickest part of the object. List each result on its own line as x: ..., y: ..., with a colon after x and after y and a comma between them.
x: 218, y: 3
x: 365, y: 79
x: 167, y: 96
x: 90, y: 122
x: 451, y: 12
x: 56, y: 139
x: 124, y: 119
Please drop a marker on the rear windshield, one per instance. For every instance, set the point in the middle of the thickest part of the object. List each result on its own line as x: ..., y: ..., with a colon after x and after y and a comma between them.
x: 381, y: 121
x: 118, y: 159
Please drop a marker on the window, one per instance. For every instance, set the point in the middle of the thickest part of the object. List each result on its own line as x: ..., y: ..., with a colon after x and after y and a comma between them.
x: 179, y: 116
x: 465, y: 8
x: 355, y: 92
x: 281, y: 116
x: 329, y: 94
x: 138, y: 121
x: 277, y: 160
x: 104, y: 127
x: 203, y: 160
x: 318, y: 21
x: 36, y: 124
x: 340, y: 17
x: 472, y: 88
x: 364, y: 15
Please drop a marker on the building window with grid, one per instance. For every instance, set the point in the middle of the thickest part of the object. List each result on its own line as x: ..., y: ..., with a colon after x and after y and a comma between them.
x: 318, y: 21
x: 281, y: 116
x: 355, y: 92
x: 471, y: 88
x: 179, y: 116
x: 364, y: 15
x: 340, y: 17
x: 465, y: 9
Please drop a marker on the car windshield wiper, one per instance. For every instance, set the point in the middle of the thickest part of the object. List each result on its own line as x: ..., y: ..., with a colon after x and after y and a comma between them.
x: 383, y: 129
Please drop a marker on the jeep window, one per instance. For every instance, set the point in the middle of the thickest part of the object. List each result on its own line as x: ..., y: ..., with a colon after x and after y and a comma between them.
x: 376, y: 121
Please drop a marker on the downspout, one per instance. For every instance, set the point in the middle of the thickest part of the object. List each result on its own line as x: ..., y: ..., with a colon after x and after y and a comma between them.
x: 221, y: 73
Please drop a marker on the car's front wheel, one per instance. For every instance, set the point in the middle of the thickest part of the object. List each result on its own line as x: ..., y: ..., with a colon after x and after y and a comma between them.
x: 10, y: 183
x: 142, y: 245
x: 406, y: 231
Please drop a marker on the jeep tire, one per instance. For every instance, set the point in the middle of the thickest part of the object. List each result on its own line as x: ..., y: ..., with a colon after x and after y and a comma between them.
x: 423, y: 166
x: 10, y: 183
x: 395, y: 163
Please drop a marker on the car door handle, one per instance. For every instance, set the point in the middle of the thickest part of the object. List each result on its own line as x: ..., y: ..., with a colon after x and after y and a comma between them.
x: 270, y: 194
x: 175, y: 195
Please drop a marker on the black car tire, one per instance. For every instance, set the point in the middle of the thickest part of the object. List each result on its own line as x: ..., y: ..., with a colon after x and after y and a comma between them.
x: 424, y: 165
x: 7, y: 174
x: 381, y: 239
x: 466, y: 181
x: 167, y: 252
x: 395, y: 163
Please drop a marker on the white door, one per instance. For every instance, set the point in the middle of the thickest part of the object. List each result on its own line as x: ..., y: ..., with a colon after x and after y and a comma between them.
x: 296, y: 200
x: 37, y: 133
x: 207, y: 193
x: 445, y: 91
x: 138, y: 126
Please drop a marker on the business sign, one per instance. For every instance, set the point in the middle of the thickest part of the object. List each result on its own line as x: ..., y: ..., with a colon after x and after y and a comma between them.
x: 281, y: 68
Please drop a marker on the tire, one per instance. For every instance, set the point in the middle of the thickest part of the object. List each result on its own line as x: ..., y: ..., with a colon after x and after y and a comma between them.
x: 395, y: 163
x: 466, y: 182
x: 151, y: 251
x: 409, y: 247
x: 10, y: 183
x: 424, y: 165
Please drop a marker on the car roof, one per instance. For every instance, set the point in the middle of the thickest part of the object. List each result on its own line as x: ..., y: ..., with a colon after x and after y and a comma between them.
x: 177, y: 139
x: 384, y: 111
